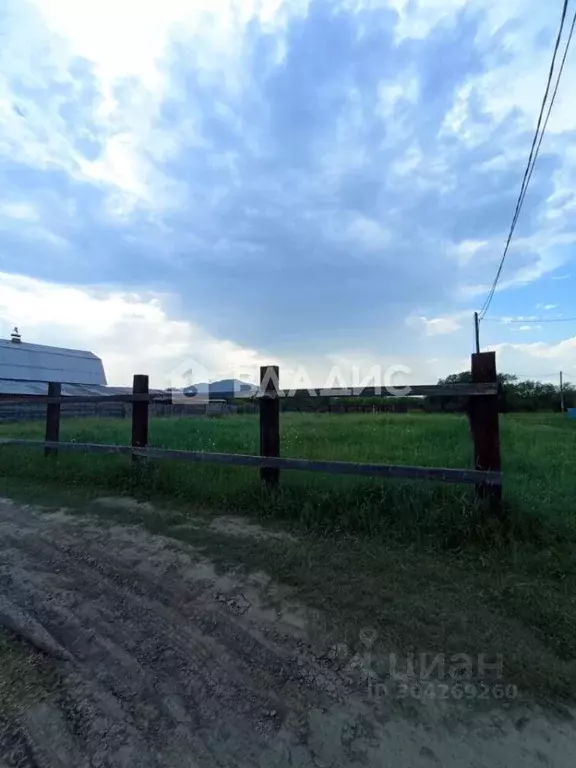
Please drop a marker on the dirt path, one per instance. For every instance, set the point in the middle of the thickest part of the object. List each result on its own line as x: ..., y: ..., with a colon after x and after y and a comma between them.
x: 163, y: 662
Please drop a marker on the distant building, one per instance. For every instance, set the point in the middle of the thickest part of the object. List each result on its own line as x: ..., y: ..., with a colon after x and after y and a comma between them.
x: 26, y: 369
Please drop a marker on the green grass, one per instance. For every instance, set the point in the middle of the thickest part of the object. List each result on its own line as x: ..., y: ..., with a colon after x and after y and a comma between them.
x: 539, y: 481
x: 421, y: 562
x: 27, y: 677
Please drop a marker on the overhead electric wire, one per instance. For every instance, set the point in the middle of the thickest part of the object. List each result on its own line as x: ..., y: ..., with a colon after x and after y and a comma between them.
x: 538, y: 320
x: 552, y: 100
x: 535, y: 148
x: 536, y: 375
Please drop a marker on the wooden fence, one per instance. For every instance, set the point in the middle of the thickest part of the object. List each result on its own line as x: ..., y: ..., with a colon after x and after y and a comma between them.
x: 482, y: 410
x: 34, y: 409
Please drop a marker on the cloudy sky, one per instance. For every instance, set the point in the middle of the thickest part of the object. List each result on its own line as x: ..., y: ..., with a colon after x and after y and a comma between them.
x: 303, y: 182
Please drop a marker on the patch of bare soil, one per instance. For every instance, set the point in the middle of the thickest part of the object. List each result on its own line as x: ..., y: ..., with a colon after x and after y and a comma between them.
x: 163, y: 661
x: 226, y: 524
x: 239, y: 526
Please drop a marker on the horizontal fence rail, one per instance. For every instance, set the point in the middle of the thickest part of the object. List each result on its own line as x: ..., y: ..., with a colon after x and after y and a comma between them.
x: 446, y: 475
x: 73, y: 399
x: 416, y: 390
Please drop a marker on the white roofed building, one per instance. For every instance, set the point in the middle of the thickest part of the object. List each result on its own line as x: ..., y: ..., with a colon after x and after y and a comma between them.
x: 26, y: 369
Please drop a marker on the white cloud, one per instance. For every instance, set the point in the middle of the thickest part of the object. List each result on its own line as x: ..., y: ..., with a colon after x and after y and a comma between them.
x: 369, y: 233
x: 135, y: 333
x: 416, y: 22
x: 518, y: 319
x: 531, y: 358
x: 439, y: 326
x: 123, y: 49
x: 127, y: 43
x: 547, y: 250
x: 513, y: 83
x: 124, y: 38
x: 18, y: 211
x: 129, y: 39
x: 467, y: 250
x: 132, y: 333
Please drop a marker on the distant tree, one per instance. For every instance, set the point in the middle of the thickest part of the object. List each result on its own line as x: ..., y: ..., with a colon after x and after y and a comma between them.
x: 515, y: 395
x: 465, y: 377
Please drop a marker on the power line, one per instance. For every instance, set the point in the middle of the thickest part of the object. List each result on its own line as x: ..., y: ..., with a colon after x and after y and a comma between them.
x: 553, y: 99
x: 534, y: 150
x: 538, y: 320
x: 535, y: 376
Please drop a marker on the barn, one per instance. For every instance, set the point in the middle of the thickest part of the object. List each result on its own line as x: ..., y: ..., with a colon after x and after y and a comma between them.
x: 26, y: 369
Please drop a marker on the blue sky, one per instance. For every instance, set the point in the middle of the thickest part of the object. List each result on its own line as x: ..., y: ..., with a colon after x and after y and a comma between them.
x: 310, y: 182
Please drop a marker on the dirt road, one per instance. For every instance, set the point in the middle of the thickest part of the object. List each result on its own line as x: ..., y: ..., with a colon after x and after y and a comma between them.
x: 161, y: 661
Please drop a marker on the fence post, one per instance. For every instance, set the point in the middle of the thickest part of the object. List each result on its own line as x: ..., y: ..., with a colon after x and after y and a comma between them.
x: 139, y: 414
x: 270, y: 421
x: 484, y: 425
x: 53, y: 418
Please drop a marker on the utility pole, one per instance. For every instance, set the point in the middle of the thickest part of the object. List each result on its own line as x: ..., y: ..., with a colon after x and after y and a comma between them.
x: 477, y: 332
x: 561, y: 392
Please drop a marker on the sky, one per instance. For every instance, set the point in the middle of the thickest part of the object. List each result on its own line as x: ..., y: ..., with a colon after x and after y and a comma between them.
x: 212, y: 185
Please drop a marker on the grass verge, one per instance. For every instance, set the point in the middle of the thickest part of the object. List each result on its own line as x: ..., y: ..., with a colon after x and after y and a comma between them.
x: 514, y: 601
x: 537, y: 454
x: 27, y: 677
x: 421, y: 563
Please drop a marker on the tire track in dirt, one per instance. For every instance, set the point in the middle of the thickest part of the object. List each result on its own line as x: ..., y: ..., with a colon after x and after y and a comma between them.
x: 165, y: 662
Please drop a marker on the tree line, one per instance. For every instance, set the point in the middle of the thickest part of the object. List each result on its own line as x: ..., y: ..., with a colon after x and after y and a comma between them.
x: 515, y: 395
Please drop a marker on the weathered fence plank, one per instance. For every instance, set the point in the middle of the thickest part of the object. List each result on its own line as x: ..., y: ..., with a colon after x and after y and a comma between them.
x: 139, y: 415
x: 269, y: 422
x: 408, y: 390
x: 75, y: 399
x: 416, y: 390
x: 447, y: 475
x: 485, y: 427
x: 53, y: 418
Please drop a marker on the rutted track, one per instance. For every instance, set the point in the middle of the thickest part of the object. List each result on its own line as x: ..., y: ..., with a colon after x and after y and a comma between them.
x: 165, y: 663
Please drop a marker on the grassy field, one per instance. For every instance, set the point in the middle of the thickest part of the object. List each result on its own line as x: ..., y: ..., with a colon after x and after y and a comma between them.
x: 538, y: 451
x: 421, y: 562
